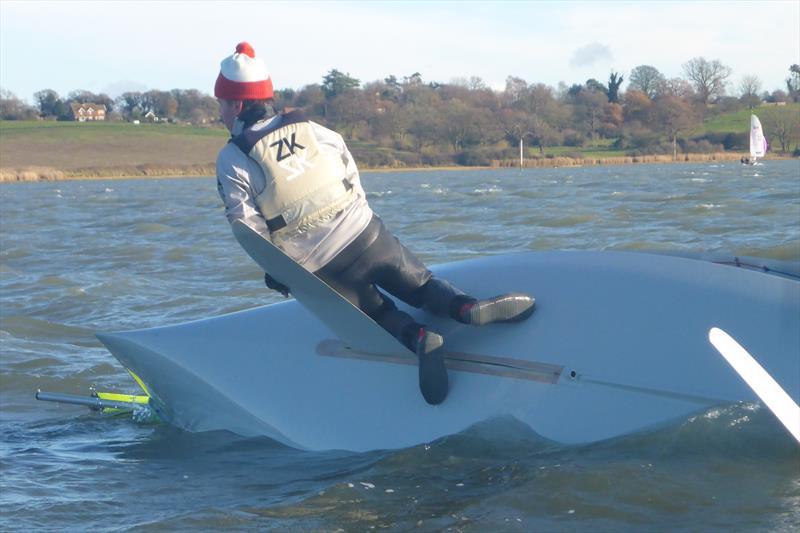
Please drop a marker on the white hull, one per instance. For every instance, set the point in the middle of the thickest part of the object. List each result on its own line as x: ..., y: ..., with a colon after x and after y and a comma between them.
x: 618, y: 344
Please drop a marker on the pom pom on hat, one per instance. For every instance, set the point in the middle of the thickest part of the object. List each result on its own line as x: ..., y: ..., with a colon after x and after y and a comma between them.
x: 243, y: 76
x: 245, y: 48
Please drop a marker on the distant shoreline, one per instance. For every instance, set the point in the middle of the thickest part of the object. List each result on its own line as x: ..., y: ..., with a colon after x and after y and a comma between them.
x: 32, y: 174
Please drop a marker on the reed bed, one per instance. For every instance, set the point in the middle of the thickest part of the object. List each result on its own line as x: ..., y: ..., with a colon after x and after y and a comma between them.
x: 122, y: 171
x: 620, y: 160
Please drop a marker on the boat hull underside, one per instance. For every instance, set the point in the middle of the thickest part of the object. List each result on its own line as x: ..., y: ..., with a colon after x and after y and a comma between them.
x: 618, y: 344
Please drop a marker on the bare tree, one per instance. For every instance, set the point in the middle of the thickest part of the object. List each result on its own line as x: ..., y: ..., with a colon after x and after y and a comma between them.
x: 546, y: 114
x: 539, y: 98
x: 673, y: 115
x: 391, y: 121
x: 677, y: 87
x: 476, y: 83
x: 589, y: 111
x: 749, y: 88
x: 793, y: 82
x: 348, y: 110
x: 312, y: 98
x: 708, y: 77
x: 12, y: 108
x: 783, y: 124
x: 464, y: 125
x: 414, y: 80
x: 425, y: 121
x: 131, y: 104
x: 646, y: 79
x: 636, y: 106
x: 516, y: 88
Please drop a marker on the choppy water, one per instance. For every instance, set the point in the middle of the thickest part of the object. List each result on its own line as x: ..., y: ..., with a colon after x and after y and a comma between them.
x: 85, y: 256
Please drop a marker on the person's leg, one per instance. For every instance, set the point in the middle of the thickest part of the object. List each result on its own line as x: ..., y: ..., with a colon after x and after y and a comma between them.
x: 404, y: 276
x: 433, y: 379
x: 443, y: 299
x: 511, y: 307
x: 355, y: 271
x: 356, y: 282
x: 439, y: 297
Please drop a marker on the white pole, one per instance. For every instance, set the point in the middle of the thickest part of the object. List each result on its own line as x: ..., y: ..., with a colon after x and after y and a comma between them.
x: 763, y: 384
x: 520, y: 153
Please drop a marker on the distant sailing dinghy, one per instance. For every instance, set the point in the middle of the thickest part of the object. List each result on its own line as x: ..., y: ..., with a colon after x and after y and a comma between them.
x: 758, y: 142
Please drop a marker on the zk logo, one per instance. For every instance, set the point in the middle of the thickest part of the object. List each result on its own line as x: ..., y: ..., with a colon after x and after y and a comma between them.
x: 286, y: 149
x: 289, y: 145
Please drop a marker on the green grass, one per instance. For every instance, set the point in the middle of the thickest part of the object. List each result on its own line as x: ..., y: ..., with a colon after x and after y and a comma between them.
x: 89, y: 131
x: 739, y: 122
x: 76, y: 145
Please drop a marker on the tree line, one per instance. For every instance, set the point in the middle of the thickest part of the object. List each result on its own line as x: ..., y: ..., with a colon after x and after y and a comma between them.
x: 466, y: 122
x: 188, y: 105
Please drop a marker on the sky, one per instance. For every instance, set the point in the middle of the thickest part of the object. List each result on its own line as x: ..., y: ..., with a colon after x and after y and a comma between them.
x: 116, y: 46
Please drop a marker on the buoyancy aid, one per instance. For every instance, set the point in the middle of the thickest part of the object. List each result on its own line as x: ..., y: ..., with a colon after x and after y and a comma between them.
x: 305, y: 184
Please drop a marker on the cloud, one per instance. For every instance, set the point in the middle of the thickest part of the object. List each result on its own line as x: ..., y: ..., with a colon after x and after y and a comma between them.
x: 590, y: 54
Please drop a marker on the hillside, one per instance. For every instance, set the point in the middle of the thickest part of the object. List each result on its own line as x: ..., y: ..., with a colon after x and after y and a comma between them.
x: 739, y: 121
x: 109, y: 148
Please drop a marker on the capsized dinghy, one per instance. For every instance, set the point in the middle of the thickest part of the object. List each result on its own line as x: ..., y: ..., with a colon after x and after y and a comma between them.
x: 618, y: 344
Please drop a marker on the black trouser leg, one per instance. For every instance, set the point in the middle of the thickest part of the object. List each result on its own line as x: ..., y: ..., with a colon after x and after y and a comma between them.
x: 400, y: 325
x: 378, y: 259
x: 440, y: 298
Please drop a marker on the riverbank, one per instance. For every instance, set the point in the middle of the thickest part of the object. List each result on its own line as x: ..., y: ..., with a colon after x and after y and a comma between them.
x: 54, y: 151
x: 43, y: 173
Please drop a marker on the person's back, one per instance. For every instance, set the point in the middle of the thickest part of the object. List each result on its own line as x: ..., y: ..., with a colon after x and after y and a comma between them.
x: 247, y: 188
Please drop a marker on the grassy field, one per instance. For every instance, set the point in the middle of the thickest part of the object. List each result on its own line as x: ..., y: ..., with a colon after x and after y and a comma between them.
x: 739, y: 122
x: 69, y: 146
x: 603, y: 148
x: 92, y: 129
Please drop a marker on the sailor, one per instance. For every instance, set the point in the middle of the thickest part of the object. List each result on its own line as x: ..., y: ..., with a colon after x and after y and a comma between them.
x: 296, y: 183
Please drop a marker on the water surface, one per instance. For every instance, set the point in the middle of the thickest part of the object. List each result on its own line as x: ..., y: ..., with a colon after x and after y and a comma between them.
x: 84, y: 256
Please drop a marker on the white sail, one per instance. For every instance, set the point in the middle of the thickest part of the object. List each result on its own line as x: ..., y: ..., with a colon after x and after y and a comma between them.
x: 758, y: 143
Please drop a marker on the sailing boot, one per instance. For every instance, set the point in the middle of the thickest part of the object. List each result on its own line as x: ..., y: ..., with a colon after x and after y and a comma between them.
x: 511, y: 307
x: 433, y: 381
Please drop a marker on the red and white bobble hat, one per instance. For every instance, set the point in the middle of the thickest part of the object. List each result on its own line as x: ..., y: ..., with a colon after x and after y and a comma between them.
x: 242, y: 76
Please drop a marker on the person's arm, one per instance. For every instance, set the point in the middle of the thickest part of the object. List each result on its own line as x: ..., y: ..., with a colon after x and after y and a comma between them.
x: 330, y: 140
x: 235, y: 187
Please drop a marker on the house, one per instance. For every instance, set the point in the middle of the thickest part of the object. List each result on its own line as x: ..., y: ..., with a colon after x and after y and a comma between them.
x: 84, y: 112
x: 150, y: 116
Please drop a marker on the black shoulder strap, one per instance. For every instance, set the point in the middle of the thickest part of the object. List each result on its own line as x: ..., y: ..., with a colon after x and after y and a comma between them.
x: 248, y: 138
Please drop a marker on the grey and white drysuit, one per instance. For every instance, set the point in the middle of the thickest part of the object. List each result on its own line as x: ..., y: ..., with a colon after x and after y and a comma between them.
x: 295, y: 182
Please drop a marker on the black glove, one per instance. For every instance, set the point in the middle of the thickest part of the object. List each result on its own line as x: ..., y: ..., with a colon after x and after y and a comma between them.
x: 276, y: 285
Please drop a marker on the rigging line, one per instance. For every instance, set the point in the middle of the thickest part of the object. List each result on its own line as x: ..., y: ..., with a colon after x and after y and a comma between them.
x: 763, y: 268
